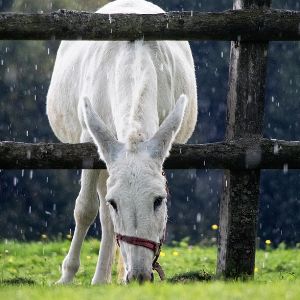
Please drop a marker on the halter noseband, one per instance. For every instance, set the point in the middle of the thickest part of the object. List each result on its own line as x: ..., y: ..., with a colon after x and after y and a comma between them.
x: 151, y: 245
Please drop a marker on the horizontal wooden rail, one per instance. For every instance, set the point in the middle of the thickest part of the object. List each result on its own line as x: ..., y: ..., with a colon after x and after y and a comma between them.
x: 244, y: 25
x: 243, y: 154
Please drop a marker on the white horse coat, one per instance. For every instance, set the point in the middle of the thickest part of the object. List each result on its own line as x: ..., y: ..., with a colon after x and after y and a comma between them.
x: 117, y: 94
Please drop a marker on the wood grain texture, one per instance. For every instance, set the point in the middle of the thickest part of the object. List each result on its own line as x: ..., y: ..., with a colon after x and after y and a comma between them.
x: 242, y: 25
x: 242, y: 154
x: 245, y: 112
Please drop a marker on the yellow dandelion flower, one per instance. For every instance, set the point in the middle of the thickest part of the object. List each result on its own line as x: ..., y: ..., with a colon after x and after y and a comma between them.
x: 10, y: 260
x: 175, y: 253
x: 88, y: 257
x: 256, y: 269
x: 44, y: 236
x: 162, y: 254
x: 214, y: 227
x: 268, y: 242
x: 69, y: 236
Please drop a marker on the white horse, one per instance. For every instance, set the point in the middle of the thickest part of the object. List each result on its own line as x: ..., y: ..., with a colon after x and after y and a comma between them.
x: 133, y: 100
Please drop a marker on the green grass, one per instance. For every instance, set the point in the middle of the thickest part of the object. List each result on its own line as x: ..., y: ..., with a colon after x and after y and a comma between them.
x: 29, y: 270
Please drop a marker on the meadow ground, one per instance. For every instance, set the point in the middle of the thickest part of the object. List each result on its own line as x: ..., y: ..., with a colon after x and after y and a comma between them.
x: 29, y: 271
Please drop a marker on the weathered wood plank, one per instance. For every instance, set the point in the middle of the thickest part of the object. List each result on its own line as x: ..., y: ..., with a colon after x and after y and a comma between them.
x: 239, y: 204
x: 247, y: 24
x: 243, y: 154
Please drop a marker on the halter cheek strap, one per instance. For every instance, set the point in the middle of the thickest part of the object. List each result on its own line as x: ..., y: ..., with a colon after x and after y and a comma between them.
x: 151, y: 245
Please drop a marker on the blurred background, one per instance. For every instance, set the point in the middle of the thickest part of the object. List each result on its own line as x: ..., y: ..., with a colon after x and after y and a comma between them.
x: 35, y: 202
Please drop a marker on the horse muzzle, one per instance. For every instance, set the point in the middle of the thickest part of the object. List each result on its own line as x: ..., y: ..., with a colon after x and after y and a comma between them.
x: 140, y: 277
x: 151, y: 245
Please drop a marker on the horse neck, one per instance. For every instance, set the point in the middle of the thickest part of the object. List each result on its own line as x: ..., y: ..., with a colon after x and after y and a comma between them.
x: 134, y: 106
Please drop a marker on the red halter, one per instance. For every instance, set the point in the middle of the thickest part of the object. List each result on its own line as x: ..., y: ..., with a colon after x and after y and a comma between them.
x: 153, y: 246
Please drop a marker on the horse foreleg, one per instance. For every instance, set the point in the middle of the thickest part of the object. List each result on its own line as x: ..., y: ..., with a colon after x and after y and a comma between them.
x: 107, y: 247
x: 86, y: 208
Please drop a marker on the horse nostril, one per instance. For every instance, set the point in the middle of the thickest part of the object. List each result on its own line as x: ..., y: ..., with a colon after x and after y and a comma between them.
x: 140, y: 278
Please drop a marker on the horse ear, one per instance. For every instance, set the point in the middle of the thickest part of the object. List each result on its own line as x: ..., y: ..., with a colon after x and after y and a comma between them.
x: 107, y: 144
x: 160, y: 144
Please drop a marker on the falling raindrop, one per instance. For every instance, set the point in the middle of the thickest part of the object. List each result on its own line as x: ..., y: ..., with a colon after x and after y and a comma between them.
x: 15, y: 181
x: 198, y: 218
x: 285, y: 168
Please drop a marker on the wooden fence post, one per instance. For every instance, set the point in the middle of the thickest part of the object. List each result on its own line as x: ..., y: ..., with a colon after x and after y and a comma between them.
x: 245, y: 110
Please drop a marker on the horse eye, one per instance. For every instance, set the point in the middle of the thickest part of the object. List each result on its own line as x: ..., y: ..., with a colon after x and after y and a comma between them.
x: 157, y: 202
x: 113, y: 204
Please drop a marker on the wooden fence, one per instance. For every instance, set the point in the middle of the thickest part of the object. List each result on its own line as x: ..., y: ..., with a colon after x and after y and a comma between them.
x: 250, y: 26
